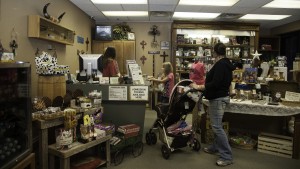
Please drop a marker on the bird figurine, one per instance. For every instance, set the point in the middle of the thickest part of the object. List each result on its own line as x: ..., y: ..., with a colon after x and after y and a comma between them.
x: 256, y: 55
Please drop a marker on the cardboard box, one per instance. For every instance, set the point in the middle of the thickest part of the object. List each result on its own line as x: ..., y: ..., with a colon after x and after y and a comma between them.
x: 52, y: 86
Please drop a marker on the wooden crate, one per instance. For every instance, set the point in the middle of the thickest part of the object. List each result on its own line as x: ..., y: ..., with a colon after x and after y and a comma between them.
x: 275, y: 144
x: 52, y: 86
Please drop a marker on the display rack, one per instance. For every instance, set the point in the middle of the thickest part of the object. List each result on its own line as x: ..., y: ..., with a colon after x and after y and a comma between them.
x: 42, y: 28
x: 188, y: 38
x: 269, y: 47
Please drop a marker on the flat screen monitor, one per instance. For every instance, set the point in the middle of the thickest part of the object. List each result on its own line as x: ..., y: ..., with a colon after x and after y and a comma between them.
x: 90, y: 63
x: 103, y: 33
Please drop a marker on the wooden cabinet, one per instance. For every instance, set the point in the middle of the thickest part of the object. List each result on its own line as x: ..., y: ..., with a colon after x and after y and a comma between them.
x: 125, y: 50
x: 43, y: 28
x: 190, y: 39
x: 269, y: 47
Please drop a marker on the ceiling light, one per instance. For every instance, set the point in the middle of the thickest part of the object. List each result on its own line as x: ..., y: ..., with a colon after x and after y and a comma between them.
x: 283, y: 4
x: 119, y: 1
x: 125, y: 13
x: 208, y: 2
x: 264, y: 17
x: 195, y: 15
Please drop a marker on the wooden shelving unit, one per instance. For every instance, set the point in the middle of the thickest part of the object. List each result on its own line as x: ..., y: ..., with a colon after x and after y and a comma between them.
x: 42, y: 28
x: 186, y: 44
x: 271, y: 53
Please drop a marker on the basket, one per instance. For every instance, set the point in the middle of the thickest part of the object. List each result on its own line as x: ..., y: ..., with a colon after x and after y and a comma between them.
x: 290, y: 103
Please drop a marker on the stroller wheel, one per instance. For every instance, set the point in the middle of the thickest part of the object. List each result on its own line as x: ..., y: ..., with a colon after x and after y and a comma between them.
x: 118, y: 157
x: 166, y: 152
x: 151, y: 138
x: 137, y: 149
x: 196, y: 145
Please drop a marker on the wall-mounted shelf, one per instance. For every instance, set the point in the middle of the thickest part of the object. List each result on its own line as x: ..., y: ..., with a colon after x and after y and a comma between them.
x: 42, y: 28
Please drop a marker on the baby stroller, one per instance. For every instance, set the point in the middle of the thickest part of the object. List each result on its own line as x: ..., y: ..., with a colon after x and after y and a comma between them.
x: 170, y: 116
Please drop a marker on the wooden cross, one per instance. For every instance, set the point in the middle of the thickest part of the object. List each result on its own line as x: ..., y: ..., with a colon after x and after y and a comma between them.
x: 143, y: 43
x: 143, y: 58
x: 87, y: 44
x: 164, y: 55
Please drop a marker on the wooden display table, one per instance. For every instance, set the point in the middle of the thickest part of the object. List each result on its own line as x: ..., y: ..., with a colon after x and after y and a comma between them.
x: 77, y: 147
x: 28, y: 161
x: 43, y: 126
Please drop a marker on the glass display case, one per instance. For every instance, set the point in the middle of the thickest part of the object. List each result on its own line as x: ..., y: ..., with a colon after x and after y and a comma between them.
x: 15, y: 113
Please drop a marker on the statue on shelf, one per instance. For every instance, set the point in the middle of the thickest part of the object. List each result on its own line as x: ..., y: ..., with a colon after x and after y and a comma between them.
x: 48, y: 16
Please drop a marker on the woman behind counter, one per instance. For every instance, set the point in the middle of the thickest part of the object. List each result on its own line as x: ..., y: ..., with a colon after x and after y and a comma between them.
x: 110, y: 64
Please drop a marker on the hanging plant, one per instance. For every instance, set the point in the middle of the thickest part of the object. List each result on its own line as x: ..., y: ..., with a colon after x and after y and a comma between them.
x: 120, y: 31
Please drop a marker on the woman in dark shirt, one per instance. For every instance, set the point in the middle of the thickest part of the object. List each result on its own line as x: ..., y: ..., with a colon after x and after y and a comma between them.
x: 216, y: 90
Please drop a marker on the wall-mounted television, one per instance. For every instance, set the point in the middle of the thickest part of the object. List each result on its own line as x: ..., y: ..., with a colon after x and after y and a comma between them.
x: 103, y: 33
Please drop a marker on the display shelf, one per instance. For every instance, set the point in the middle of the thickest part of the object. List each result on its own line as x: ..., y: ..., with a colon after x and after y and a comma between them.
x: 269, y: 47
x: 190, y: 39
x: 45, y: 29
x: 15, y: 113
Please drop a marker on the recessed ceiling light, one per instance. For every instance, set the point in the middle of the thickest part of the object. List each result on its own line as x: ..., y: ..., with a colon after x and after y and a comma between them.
x: 208, y: 2
x: 264, y: 17
x: 283, y: 4
x: 125, y: 13
x: 195, y: 15
x: 119, y: 1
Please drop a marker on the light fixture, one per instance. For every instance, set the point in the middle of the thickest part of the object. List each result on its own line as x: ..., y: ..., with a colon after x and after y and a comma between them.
x: 195, y: 15
x: 125, y: 13
x: 119, y: 1
x: 208, y: 2
x: 263, y: 17
x: 283, y: 4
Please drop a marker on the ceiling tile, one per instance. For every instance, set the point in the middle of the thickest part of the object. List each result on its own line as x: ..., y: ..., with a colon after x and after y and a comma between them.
x: 109, y: 7
x: 137, y: 7
x: 164, y: 2
x: 185, y: 8
x: 162, y: 7
x: 251, y: 3
x: 241, y: 10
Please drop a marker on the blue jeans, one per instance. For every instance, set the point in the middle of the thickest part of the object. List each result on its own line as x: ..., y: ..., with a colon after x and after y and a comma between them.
x: 216, y: 112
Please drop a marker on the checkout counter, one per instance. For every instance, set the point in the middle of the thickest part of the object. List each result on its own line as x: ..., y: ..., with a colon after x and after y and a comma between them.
x: 122, y: 103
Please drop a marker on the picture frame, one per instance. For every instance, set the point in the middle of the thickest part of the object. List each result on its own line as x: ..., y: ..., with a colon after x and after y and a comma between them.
x: 228, y: 53
x: 164, y: 45
x: 207, y: 52
x: 130, y: 36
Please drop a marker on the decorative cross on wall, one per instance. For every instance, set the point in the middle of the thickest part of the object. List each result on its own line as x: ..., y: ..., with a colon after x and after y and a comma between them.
x: 164, y: 55
x: 87, y: 44
x: 143, y: 58
x: 143, y: 43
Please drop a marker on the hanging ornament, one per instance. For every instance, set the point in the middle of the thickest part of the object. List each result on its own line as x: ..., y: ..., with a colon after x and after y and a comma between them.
x: 154, y: 32
x: 13, y: 43
x: 256, y: 55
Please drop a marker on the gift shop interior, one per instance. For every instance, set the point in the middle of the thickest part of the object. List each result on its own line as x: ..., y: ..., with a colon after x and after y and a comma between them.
x: 89, y: 83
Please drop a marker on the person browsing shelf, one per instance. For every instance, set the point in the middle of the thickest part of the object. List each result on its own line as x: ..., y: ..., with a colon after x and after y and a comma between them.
x: 197, y: 71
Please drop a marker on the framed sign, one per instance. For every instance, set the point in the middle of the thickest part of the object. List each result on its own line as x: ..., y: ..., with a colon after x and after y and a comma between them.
x: 138, y: 93
x: 131, y: 36
x: 117, y: 93
x: 165, y: 45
